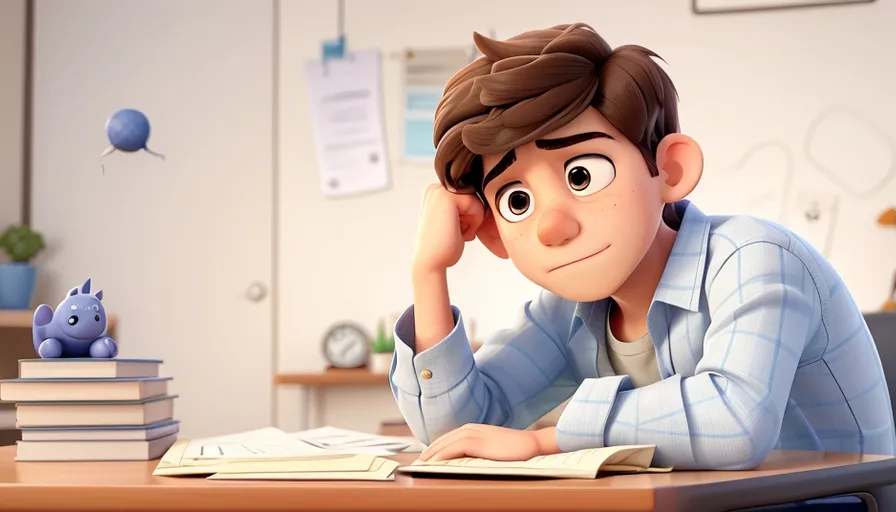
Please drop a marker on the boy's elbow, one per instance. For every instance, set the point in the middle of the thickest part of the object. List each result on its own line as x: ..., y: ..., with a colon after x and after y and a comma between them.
x: 747, y: 451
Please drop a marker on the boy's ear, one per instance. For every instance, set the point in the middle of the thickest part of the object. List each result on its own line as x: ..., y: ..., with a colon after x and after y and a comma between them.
x: 680, y: 161
x: 489, y: 236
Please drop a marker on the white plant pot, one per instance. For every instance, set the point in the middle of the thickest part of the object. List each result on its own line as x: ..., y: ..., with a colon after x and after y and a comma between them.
x: 380, y: 363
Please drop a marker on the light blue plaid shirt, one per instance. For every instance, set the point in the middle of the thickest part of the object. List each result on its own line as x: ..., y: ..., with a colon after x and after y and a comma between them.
x: 759, y: 344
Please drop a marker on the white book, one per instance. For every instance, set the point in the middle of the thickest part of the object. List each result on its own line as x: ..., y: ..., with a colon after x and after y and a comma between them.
x: 93, y: 450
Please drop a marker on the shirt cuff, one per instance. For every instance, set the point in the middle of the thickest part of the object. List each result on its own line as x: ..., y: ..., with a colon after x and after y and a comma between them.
x: 584, y: 420
x: 436, y: 370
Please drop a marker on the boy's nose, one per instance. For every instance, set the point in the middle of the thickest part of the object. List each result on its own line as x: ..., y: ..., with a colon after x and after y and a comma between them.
x: 557, y: 227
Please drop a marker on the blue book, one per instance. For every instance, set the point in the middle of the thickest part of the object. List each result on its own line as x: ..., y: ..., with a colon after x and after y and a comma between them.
x: 67, y: 390
x: 102, y: 433
x: 94, y: 414
x: 87, y: 368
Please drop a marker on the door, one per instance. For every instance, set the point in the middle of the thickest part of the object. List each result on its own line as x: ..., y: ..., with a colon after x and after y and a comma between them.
x: 180, y: 246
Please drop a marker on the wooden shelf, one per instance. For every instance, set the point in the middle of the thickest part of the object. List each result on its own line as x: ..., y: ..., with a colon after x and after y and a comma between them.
x: 22, y: 319
x: 332, y: 377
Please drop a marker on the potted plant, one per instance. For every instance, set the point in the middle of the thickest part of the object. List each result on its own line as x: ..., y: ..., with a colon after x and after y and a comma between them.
x: 381, y: 351
x: 17, y: 278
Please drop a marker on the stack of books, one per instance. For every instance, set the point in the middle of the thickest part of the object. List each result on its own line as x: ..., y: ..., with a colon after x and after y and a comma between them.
x: 74, y: 409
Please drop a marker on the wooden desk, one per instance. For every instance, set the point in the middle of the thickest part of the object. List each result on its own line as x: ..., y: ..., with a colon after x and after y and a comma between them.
x: 130, y: 486
x: 332, y: 377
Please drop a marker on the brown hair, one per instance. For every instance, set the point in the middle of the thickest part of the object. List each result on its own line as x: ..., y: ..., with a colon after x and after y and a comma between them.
x: 538, y: 81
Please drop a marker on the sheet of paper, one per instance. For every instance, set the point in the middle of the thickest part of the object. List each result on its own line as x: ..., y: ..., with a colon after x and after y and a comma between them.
x: 813, y: 216
x: 331, y: 438
x: 174, y: 463
x: 262, y: 443
x: 345, y: 104
x: 381, y: 470
x: 426, y: 72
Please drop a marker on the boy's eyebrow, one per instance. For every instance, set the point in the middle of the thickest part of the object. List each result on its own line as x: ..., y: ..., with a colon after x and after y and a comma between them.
x: 499, y: 167
x: 564, y: 142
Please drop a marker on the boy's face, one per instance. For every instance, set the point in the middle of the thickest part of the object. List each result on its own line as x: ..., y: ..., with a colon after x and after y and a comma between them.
x: 576, y: 210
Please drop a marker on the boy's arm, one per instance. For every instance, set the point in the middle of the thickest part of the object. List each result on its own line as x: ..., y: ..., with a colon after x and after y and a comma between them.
x: 764, y: 307
x: 516, y: 377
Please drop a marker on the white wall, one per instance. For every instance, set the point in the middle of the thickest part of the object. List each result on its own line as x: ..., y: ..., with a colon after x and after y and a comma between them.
x: 12, y: 89
x: 742, y: 79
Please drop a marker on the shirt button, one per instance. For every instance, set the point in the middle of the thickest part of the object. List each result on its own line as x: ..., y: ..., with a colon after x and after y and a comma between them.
x: 426, y: 374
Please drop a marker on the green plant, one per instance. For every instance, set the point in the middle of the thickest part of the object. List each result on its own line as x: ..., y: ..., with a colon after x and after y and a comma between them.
x: 21, y: 243
x: 382, y: 344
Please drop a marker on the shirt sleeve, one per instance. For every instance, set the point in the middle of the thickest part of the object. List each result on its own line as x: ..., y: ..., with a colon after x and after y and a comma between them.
x: 763, y: 306
x: 516, y: 377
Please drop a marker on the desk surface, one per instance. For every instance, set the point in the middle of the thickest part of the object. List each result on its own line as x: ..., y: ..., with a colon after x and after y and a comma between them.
x: 130, y: 486
x: 333, y: 377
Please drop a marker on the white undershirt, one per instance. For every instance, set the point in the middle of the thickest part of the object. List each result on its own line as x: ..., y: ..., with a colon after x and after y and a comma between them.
x: 637, y: 358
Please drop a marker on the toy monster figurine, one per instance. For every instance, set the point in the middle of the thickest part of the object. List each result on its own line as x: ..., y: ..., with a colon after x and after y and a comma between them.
x: 76, y: 329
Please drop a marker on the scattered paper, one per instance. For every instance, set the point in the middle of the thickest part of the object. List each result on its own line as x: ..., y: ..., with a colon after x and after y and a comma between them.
x: 349, y: 441
x: 426, y: 73
x: 262, y: 443
x: 181, y: 458
x: 379, y: 470
x: 345, y: 102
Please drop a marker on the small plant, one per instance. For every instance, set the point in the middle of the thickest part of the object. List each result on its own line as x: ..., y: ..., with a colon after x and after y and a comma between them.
x: 383, y: 344
x: 21, y: 244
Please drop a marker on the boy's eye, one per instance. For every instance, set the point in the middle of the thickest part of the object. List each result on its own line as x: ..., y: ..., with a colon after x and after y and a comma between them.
x: 590, y: 173
x: 515, y: 204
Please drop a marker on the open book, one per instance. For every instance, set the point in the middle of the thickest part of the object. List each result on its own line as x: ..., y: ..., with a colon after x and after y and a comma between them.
x: 578, y: 464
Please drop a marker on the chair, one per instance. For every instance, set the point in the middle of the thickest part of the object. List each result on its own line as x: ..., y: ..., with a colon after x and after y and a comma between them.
x: 883, y: 329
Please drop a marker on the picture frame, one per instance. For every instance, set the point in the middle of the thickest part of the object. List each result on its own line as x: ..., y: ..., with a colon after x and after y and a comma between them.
x: 703, y: 7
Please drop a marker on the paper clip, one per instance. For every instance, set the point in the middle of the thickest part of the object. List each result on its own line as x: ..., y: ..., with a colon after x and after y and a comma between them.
x: 332, y: 49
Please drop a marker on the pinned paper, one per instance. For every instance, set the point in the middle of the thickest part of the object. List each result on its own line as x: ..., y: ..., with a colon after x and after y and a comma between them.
x: 426, y: 73
x: 345, y: 100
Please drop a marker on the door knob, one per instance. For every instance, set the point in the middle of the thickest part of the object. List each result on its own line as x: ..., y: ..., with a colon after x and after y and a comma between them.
x: 256, y: 292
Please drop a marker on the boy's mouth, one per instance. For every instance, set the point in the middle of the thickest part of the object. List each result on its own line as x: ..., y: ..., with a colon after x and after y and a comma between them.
x: 580, y: 259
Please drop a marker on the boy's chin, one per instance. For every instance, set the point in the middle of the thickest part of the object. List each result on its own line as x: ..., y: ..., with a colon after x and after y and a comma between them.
x: 582, y: 290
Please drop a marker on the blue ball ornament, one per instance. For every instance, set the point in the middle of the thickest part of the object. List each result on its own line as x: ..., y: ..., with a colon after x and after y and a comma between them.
x: 128, y: 131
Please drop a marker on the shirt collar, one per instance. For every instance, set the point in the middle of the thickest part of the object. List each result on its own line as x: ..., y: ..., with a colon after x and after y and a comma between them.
x: 683, y: 277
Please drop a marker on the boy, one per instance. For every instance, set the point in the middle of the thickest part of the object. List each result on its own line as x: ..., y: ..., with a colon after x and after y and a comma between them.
x: 717, y: 339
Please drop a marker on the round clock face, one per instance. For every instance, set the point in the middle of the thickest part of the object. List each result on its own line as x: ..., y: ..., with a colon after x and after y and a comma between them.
x: 346, y: 346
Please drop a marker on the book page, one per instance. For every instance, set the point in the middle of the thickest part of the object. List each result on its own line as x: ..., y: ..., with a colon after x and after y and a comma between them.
x: 589, y: 460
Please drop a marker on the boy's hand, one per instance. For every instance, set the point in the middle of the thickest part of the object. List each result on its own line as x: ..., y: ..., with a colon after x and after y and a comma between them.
x: 491, y: 442
x: 447, y: 221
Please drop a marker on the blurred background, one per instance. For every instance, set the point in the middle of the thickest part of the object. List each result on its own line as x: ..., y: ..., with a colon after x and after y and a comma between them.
x: 230, y: 260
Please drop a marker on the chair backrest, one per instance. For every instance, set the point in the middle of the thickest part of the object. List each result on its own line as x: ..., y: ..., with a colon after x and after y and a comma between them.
x: 883, y: 328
